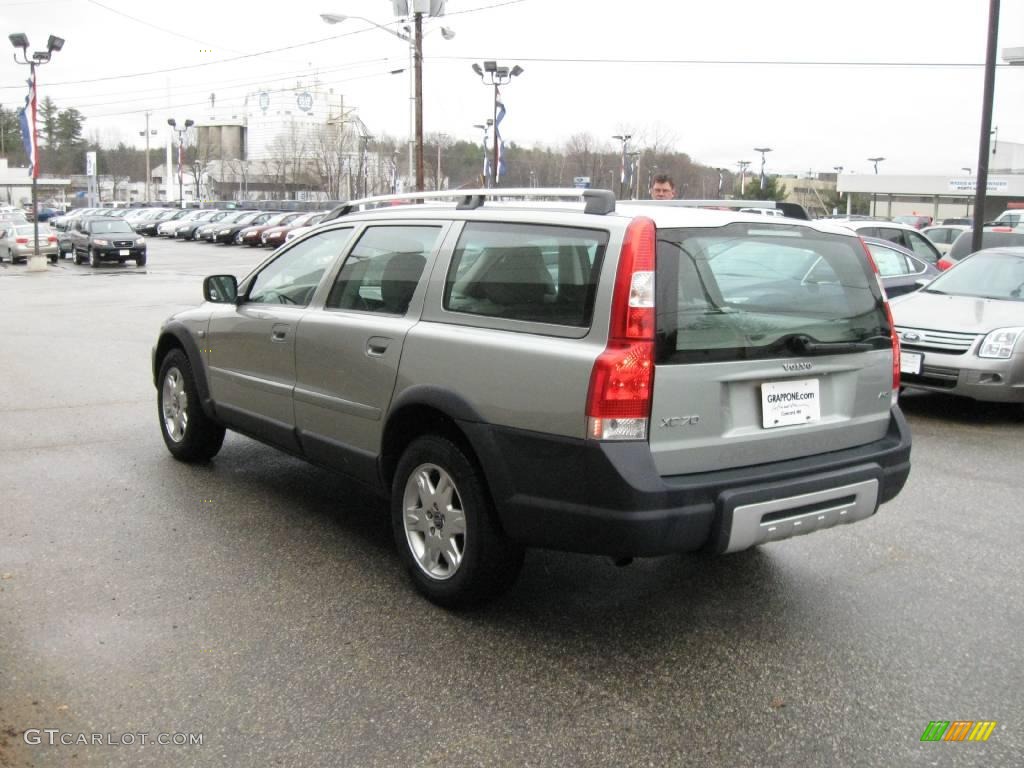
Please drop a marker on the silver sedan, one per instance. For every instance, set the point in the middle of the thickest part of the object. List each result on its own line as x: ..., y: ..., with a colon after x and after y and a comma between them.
x: 961, y: 334
x: 17, y: 243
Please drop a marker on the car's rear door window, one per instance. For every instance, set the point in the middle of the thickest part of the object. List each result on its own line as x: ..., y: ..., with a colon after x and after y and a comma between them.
x: 383, y: 269
x: 529, y: 272
x: 749, y: 291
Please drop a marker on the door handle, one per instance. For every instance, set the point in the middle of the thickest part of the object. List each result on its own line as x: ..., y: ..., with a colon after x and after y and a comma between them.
x: 377, y: 346
x: 279, y: 332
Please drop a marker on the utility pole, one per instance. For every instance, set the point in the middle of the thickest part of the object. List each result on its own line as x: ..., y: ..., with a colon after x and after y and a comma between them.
x: 419, y: 99
x: 981, y: 182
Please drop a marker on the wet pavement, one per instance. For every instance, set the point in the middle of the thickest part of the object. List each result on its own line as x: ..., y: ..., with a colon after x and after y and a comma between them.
x: 257, y: 602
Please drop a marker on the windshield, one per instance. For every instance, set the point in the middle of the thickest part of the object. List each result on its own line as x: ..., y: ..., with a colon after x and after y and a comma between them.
x: 986, y: 274
x: 749, y: 291
x: 103, y: 227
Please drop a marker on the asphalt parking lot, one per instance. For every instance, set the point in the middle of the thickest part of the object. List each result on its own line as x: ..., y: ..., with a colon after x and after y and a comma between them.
x: 257, y: 602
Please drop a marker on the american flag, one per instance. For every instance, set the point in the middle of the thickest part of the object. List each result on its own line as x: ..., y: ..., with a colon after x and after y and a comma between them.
x: 27, y: 119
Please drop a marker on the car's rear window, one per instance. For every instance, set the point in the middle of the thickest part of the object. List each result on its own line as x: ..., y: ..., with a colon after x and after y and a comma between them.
x: 962, y: 245
x: 749, y: 291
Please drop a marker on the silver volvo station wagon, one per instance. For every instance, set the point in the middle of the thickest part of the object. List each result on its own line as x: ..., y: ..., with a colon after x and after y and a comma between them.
x: 562, y: 371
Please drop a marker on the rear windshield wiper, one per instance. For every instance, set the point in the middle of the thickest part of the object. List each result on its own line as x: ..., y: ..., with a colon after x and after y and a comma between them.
x: 805, y: 345
x: 932, y: 290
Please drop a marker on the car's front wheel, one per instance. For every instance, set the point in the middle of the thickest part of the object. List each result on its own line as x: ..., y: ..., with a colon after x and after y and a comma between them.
x: 94, y: 260
x: 445, y: 527
x: 190, y: 435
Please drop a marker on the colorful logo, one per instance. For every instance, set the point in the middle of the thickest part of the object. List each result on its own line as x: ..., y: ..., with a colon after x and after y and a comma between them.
x: 958, y: 730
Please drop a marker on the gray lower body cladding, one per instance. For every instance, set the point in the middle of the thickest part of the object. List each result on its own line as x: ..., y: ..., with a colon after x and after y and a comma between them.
x: 607, y: 498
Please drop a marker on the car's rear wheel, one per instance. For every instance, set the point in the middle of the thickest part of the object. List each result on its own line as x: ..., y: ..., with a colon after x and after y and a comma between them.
x: 445, y: 528
x: 189, y: 434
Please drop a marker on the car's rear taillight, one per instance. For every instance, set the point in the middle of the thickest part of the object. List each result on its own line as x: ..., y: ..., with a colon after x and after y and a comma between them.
x: 51, y: 239
x: 622, y: 380
x: 21, y: 240
x: 944, y: 263
x: 892, y: 328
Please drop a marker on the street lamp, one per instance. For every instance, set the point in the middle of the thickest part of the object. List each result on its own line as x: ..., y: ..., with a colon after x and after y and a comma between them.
x: 624, y: 138
x: 415, y: 41
x: 36, y: 262
x: 181, y: 140
x: 147, y: 133
x: 492, y: 74
x: 485, y: 127
x: 874, y: 195
x: 764, y: 151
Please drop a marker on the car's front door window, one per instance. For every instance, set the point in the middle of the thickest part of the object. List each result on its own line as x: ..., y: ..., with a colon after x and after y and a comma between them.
x: 292, y: 278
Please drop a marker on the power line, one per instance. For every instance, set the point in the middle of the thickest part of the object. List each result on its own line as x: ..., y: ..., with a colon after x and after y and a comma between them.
x: 247, y: 55
x: 150, y: 25
x: 732, y: 62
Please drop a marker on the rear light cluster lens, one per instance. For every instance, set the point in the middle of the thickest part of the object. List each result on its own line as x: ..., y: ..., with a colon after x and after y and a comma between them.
x: 621, y: 382
x: 892, y: 329
x: 21, y: 240
x: 944, y: 263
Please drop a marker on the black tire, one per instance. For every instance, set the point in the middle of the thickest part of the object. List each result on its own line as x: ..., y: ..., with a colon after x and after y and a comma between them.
x: 141, y: 261
x: 489, y: 562
x: 74, y: 255
x: 199, y: 437
x: 94, y: 261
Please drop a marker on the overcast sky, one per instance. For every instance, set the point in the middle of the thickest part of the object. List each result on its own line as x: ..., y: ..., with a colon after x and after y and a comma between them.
x: 690, y: 73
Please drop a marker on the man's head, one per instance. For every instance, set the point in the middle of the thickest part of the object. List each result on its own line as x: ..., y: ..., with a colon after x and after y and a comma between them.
x: 662, y: 187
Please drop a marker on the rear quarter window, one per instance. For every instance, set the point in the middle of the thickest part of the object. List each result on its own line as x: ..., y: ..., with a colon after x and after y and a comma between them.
x: 527, y: 272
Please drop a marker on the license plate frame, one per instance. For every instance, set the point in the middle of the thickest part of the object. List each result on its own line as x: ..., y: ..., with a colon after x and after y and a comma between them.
x: 911, y: 362
x: 790, y: 403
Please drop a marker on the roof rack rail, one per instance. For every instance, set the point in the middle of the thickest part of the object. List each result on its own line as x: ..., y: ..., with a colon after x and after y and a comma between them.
x: 599, y: 202
x: 792, y: 210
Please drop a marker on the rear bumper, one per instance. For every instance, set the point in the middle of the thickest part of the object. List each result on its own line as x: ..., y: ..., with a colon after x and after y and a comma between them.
x: 607, y: 498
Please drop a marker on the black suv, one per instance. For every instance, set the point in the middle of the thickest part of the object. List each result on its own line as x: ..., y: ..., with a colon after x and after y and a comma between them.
x: 99, y: 240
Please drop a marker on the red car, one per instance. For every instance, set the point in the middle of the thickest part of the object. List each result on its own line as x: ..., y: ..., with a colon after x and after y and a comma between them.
x: 274, y: 236
x: 251, y: 235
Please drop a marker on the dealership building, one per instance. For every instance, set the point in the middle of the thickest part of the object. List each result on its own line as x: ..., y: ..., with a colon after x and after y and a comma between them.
x: 944, y: 196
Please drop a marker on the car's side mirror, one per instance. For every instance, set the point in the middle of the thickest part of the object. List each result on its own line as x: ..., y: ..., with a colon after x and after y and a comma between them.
x: 221, y: 289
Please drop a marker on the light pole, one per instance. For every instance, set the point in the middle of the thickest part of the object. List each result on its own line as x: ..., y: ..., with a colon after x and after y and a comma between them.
x: 874, y: 195
x: 20, y: 40
x: 492, y: 74
x: 743, y: 165
x: 764, y: 151
x: 364, y: 140
x: 485, y: 127
x: 440, y: 138
x: 415, y: 42
x: 181, y: 140
x: 147, y: 133
x: 624, y: 138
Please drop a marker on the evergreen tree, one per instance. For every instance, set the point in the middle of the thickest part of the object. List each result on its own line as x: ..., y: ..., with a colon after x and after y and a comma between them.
x: 68, y: 128
x: 46, y: 123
